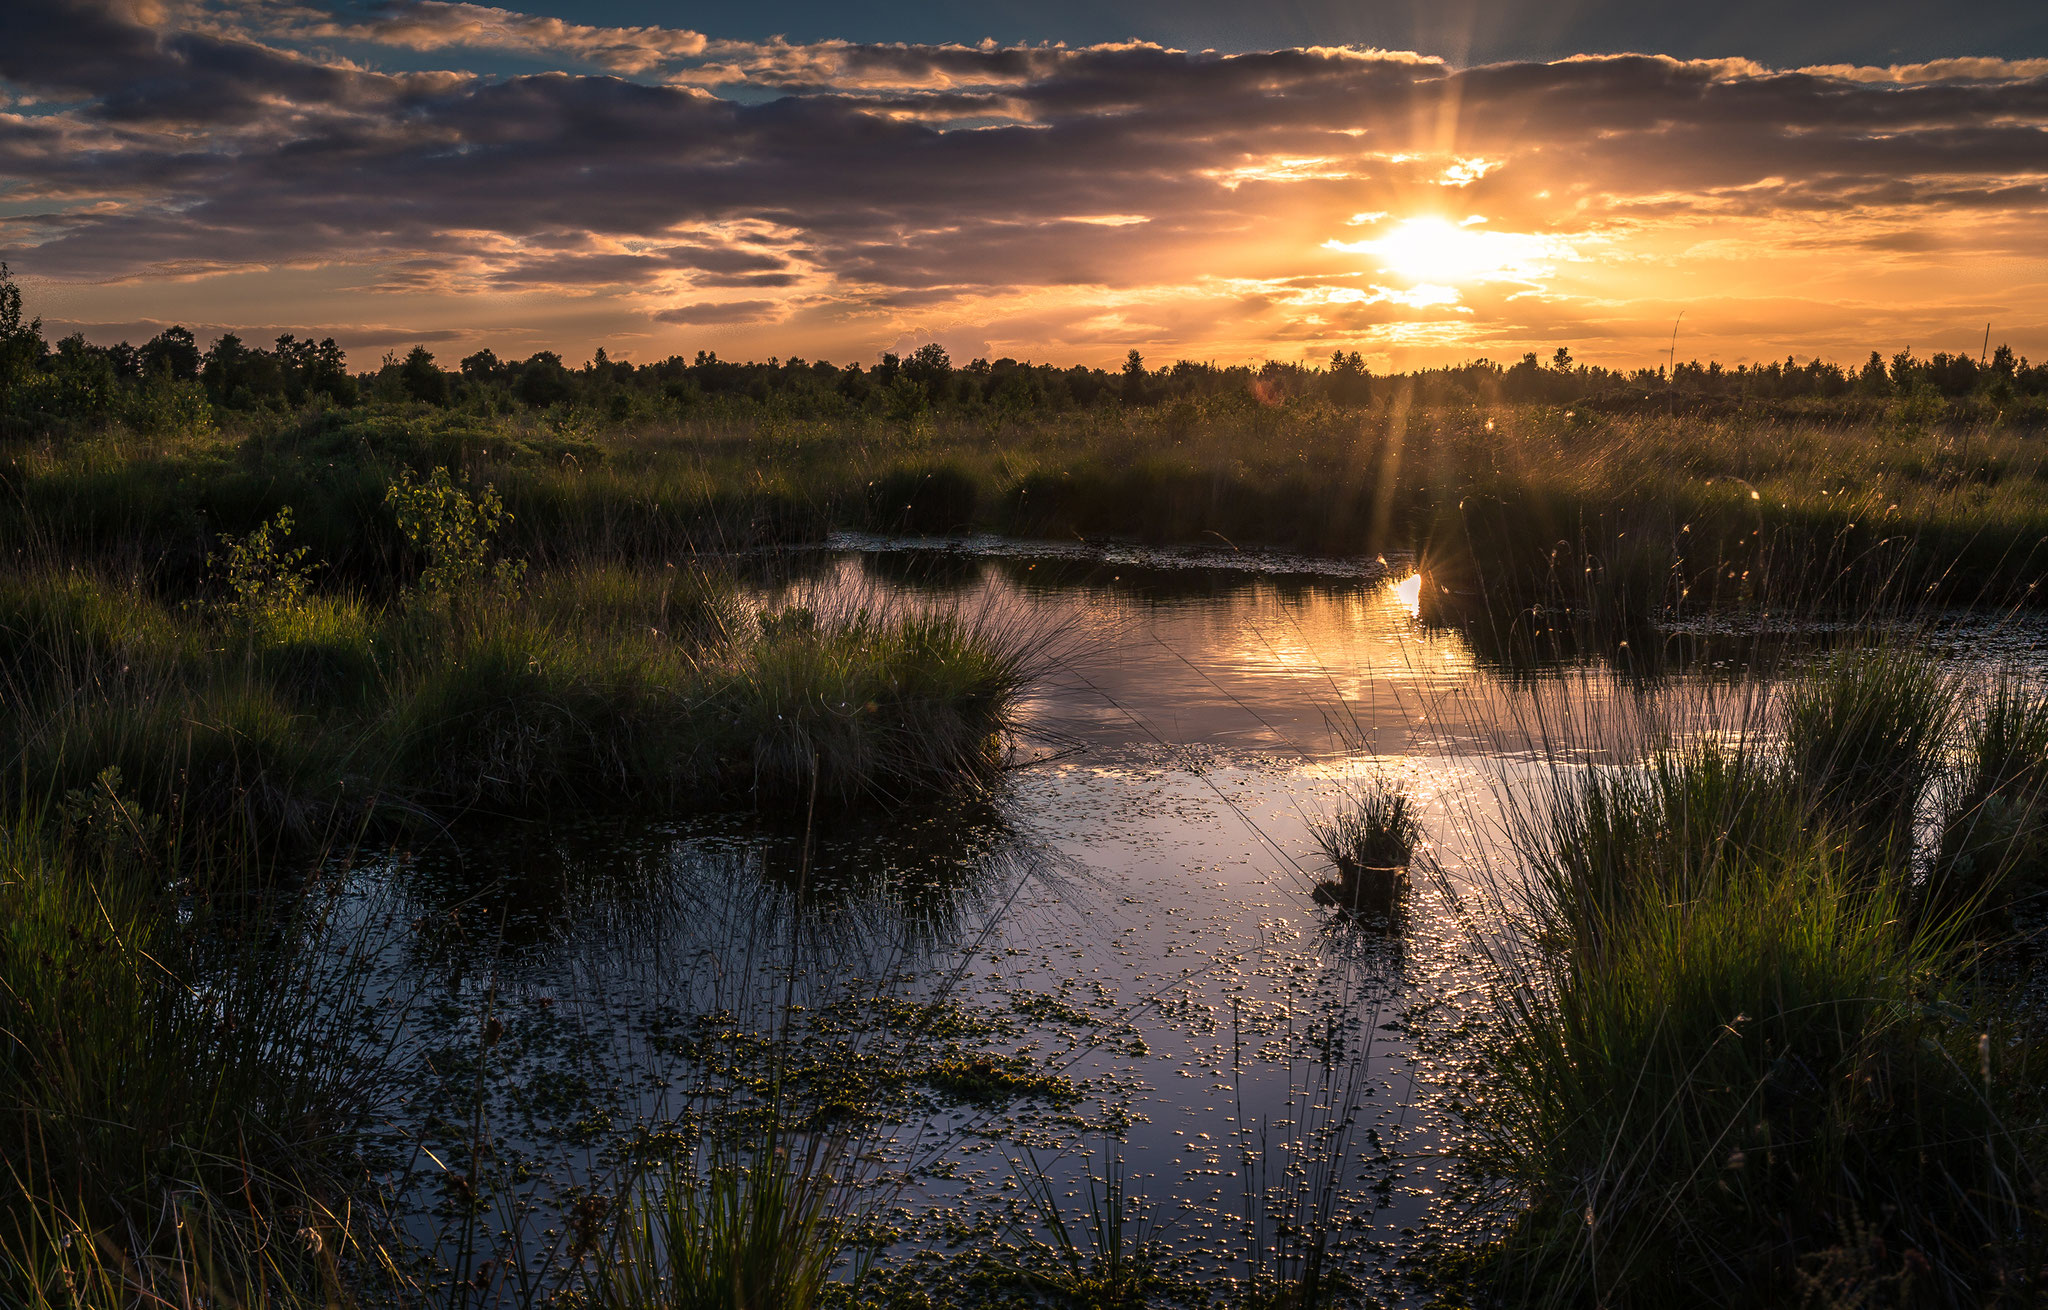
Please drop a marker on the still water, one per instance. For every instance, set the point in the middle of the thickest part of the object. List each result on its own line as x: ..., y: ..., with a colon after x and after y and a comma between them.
x: 1116, y: 966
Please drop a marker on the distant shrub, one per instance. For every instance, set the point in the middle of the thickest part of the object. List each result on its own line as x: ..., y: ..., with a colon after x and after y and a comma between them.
x: 454, y: 532
x: 263, y: 578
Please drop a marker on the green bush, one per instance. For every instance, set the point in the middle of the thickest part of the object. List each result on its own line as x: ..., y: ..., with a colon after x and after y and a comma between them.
x: 454, y: 533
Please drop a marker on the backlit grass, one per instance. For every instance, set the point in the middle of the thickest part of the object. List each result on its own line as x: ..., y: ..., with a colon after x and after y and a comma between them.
x: 1745, y: 1053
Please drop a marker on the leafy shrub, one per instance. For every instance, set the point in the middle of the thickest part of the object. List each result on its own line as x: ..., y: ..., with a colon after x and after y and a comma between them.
x: 454, y: 532
x: 264, y: 580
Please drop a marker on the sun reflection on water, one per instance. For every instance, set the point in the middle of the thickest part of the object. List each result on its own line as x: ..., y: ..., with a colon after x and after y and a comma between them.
x: 1410, y: 592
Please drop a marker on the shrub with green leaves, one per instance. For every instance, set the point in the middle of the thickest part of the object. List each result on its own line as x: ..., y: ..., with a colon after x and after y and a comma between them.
x: 262, y: 577
x: 454, y: 532
x: 108, y: 827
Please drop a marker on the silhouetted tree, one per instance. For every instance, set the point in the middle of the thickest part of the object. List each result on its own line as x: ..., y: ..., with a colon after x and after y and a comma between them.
x: 172, y: 352
x: 422, y: 379
x: 1350, y: 381
x: 21, y: 342
x: 929, y: 366
x: 1134, y: 390
x: 1905, y: 371
x: 1952, y: 375
x: 543, y: 381
x: 311, y: 370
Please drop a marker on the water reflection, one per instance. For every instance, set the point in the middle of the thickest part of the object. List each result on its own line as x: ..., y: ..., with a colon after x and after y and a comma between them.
x: 531, y: 892
x: 1132, y: 917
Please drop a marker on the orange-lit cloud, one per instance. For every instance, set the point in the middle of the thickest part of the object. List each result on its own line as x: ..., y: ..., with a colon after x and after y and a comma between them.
x: 265, y: 166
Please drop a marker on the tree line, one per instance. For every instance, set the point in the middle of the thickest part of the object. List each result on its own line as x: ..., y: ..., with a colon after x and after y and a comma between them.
x: 171, y: 379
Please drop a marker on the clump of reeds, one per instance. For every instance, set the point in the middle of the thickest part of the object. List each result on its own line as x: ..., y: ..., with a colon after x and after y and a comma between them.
x: 1730, y: 1037
x: 727, y: 1229
x: 1615, y: 841
x: 869, y: 705
x: 1993, y: 848
x: 263, y: 711
x: 178, y: 1100
x: 1864, y: 734
x: 1110, y: 1257
x: 1370, y: 843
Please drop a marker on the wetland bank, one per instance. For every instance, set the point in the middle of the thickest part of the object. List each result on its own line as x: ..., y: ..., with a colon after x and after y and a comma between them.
x: 708, y: 850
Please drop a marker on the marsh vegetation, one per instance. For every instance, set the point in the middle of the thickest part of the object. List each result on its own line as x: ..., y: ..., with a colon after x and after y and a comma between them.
x: 473, y: 844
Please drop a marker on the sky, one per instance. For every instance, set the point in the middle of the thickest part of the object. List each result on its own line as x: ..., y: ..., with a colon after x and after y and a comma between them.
x: 1422, y: 182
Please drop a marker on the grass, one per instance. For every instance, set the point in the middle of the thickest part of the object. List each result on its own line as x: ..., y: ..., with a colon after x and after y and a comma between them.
x: 1111, y: 1258
x: 1993, y: 848
x: 1742, y: 1054
x: 1662, y: 508
x: 1865, y: 732
x: 181, y: 1084
x: 181, y: 1077
x: 601, y: 685
x: 751, y: 1227
x: 1370, y: 843
x: 1745, y: 1051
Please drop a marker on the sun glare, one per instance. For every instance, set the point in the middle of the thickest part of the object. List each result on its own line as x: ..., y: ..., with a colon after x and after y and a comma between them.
x: 1409, y: 592
x: 1438, y: 251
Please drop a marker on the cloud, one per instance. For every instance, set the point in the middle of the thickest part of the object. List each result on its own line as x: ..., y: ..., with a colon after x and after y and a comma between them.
x: 719, y: 311
x: 435, y: 25
x: 637, y: 267
x: 1938, y: 70
x: 1060, y: 199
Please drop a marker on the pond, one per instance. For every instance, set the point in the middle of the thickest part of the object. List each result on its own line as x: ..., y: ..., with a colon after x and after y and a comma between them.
x: 1113, y: 968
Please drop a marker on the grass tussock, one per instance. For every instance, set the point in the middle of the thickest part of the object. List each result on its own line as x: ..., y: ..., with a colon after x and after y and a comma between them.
x: 263, y: 712
x: 1370, y: 843
x: 1743, y: 1054
x: 1865, y: 733
x: 1993, y: 848
x: 735, y: 1230
x: 183, y: 1083
x: 1378, y: 831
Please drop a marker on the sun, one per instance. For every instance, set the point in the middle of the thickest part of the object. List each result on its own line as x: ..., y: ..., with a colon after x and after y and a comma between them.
x: 1439, y: 252
x: 1433, y: 250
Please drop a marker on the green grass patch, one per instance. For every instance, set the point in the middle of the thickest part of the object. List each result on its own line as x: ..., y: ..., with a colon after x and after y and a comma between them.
x: 1735, y: 1056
